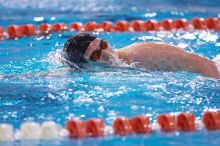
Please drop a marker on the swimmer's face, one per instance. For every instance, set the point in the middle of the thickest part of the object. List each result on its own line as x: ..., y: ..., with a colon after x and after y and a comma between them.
x: 99, y: 50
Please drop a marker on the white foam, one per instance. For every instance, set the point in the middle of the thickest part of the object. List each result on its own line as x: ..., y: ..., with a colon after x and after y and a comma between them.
x: 116, y: 62
x: 55, y: 57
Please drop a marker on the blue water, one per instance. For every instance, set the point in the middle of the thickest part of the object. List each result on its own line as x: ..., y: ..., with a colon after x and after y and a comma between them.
x: 34, y: 85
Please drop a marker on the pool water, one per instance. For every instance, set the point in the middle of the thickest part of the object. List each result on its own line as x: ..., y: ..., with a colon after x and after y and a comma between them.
x: 35, y: 86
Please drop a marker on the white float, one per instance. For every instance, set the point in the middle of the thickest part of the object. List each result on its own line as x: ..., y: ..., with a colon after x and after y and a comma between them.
x: 6, y: 132
x: 50, y: 130
x: 30, y: 131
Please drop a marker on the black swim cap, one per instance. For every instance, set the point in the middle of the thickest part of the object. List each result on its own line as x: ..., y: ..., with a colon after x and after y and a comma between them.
x: 76, y: 46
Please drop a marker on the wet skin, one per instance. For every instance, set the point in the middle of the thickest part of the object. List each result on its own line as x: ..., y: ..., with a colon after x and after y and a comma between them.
x: 157, y: 57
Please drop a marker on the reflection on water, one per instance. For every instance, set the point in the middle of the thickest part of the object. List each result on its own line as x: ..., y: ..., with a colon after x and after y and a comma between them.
x: 35, y: 85
x: 40, y: 79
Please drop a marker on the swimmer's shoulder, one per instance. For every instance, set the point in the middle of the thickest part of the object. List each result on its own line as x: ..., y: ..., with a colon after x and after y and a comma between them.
x: 135, y: 45
x: 144, y: 45
x: 150, y: 47
x: 149, y: 44
x: 160, y: 46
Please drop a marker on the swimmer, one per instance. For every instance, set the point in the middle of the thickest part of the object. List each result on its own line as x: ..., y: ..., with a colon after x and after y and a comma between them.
x: 153, y: 56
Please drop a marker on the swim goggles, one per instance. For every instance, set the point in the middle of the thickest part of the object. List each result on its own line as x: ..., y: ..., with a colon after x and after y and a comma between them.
x: 97, y: 54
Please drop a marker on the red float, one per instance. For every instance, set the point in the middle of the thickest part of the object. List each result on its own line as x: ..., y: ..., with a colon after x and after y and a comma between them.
x: 186, y: 122
x: 107, y: 26
x: 152, y: 25
x: 77, y: 26
x: 212, y: 23
x: 95, y: 127
x: 76, y: 128
x: 44, y: 28
x: 122, y: 126
x: 58, y: 27
x: 1, y: 32
x: 91, y: 26
x: 198, y: 23
x: 211, y: 120
x: 180, y: 23
x: 14, y: 32
x: 28, y: 29
x: 122, y: 26
x: 166, y: 24
x: 167, y: 122
x: 140, y: 124
x: 138, y: 25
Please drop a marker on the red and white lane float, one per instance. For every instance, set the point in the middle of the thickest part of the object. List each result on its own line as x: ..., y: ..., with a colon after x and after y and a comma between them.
x: 58, y: 27
x: 166, y: 24
x: 76, y: 128
x: 212, y: 23
x: 181, y: 122
x: 138, y: 25
x: 107, y: 26
x: 198, y: 23
x: 180, y: 24
x: 28, y: 29
x: 211, y: 120
x: 1, y: 32
x: 140, y: 124
x: 152, y: 25
x: 122, y: 26
x: 49, y: 130
x: 30, y: 131
x: 123, y: 126
x: 76, y: 26
x: 80, y: 129
x: 166, y: 122
x: 15, y: 31
x: 44, y: 28
x: 208, y: 23
x: 90, y: 26
x: 135, y: 125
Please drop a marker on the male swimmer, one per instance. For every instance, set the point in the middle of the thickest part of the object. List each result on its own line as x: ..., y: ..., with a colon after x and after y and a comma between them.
x: 83, y: 47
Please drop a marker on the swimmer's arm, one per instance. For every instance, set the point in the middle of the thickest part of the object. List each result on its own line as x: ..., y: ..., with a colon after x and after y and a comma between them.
x: 198, y: 64
x: 191, y: 62
x: 171, y: 58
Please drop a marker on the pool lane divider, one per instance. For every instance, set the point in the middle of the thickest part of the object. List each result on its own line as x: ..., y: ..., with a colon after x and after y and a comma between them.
x: 15, y: 31
x: 121, y: 126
